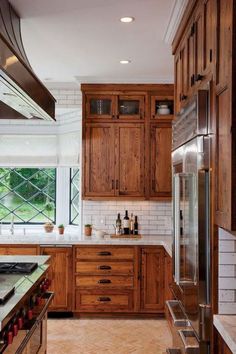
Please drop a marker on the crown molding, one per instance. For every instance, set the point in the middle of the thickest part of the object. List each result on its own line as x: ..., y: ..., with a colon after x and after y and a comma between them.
x: 175, y: 19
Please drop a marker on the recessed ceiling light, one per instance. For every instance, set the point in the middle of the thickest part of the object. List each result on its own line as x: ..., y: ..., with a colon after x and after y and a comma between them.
x: 127, y: 19
x: 125, y: 61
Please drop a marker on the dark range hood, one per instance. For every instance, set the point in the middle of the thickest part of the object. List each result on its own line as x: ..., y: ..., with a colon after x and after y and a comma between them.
x: 22, y: 94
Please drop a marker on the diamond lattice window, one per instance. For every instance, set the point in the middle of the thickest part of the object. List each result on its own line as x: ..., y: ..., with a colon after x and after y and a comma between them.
x: 74, y: 196
x: 29, y: 194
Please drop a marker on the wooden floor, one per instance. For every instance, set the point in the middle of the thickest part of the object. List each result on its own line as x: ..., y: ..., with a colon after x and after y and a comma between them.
x: 108, y: 336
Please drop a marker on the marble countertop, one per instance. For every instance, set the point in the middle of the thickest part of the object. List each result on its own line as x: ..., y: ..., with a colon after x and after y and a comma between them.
x: 55, y: 239
x: 21, y: 282
x: 226, y: 326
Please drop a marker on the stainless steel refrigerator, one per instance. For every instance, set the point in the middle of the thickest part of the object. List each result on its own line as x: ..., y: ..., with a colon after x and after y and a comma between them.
x: 189, y: 313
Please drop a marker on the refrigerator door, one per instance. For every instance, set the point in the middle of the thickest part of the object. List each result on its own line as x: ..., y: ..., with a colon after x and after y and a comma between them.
x: 191, y: 230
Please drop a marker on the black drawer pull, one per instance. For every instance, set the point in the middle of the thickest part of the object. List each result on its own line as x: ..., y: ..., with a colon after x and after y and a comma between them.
x: 104, y: 281
x: 104, y: 299
x: 104, y: 253
x: 104, y: 267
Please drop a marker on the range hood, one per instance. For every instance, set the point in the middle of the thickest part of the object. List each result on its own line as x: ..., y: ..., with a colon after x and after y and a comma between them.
x: 22, y: 94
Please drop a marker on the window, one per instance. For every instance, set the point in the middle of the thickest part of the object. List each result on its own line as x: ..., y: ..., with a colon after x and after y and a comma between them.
x: 74, y: 196
x: 29, y: 194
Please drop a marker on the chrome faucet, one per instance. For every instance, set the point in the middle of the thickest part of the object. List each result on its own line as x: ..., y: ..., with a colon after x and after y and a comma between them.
x: 12, y: 225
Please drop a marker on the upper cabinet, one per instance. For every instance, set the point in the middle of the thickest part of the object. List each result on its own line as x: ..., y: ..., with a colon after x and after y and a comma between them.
x: 122, y: 107
x: 194, y: 53
x: 204, y: 49
x: 120, y: 152
x: 100, y: 107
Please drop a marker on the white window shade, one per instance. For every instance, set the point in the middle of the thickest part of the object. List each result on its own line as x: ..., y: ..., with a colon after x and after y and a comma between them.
x: 69, y: 149
x: 39, y: 150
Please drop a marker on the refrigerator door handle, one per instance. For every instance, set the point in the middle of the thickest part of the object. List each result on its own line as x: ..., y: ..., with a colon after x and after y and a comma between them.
x: 177, y: 227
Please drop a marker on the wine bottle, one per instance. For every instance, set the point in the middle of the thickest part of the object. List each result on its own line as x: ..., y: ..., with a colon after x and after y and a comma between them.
x: 118, y: 225
x: 132, y: 224
x: 135, y: 225
x: 126, y: 223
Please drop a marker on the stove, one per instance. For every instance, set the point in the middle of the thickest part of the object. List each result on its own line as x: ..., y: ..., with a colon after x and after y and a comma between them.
x: 17, y: 268
x: 5, y: 294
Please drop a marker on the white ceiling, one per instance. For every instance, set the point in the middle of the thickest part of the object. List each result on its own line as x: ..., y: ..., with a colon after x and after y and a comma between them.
x: 83, y: 40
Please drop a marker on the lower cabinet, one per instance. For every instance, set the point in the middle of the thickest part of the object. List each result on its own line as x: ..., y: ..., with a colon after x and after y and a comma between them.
x: 152, y: 279
x: 19, y: 250
x: 222, y: 346
x: 60, y: 274
x: 119, y: 279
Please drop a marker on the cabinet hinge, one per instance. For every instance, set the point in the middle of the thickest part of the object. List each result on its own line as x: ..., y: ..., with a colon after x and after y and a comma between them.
x: 193, y: 29
x: 210, y: 55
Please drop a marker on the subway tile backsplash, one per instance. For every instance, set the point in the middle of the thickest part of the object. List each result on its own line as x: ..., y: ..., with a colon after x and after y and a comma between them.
x: 227, y: 272
x: 153, y: 217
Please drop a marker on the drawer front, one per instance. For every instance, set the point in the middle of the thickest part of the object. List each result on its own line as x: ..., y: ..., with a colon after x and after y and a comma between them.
x: 106, y: 281
x: 105, y: 253
x: 122, y: 268
x: 103, y: 301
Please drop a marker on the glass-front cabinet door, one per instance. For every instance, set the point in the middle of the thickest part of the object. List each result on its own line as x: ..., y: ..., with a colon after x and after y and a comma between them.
x: 162, y: 107
x: 130, y: 107
x: 100, y: 106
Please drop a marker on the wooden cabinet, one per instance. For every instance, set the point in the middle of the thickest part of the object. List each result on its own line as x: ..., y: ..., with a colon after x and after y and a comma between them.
x: 114, y: 163
x: 225, y: 116
x: 114, y: 106
x: 222, y: 347
x: 194, y: 54
x: 19, y: 250
x: 99, y: 163
x: 60, y: 274
x: 116, y: 140
x: 129, y: 160
x: 100, y: 106
x: 105, y: 278
x: 160, y: 156
x: 152, y: 279
x: 168, y: 277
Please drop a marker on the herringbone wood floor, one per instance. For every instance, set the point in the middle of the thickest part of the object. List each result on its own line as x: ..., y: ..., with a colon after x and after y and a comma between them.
x: 108, y: 336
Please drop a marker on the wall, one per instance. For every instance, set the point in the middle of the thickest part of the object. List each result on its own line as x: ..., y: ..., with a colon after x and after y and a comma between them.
x: 227, y: 272
x: 153, y: 217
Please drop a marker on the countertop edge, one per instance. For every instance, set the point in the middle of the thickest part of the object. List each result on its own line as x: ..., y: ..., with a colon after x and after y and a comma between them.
x: 227, y: 337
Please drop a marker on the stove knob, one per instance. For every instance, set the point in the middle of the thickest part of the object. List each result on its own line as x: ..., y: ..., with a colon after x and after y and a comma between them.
x: 20, y: 322
x: 38, y: 300
x: 9, y: 337
x: 30, y: 314
x: 15, y: 329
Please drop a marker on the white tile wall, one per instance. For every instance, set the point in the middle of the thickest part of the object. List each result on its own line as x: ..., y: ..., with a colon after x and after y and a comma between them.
x: 227, y: 272
x: 153, y: 217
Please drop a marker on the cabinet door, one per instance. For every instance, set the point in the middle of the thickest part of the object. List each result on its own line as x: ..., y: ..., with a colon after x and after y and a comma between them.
x: 157, y: 112
x: 152, y: 279
x: 99, y: 161
x: 130, y: 107
x: 178, y: 83
x: 160, y: 161
x: 208, y: 40
x: 60, y: 274
x: 191, y: 57
x: 199, y: 43
x: 100, y: 106
x: 21, y: 250
x: 130, y: 160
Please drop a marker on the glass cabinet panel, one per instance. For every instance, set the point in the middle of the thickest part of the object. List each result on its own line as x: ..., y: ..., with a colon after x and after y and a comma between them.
x: 99, y: 106
x: 162, y: 107
x: 131, y: 107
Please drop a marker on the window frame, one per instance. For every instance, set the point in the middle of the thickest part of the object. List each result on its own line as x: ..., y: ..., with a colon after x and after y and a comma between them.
x: 70, y: 197
x: 55, y: 199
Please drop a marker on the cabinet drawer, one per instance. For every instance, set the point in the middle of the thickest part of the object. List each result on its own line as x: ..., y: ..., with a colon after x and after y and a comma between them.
x: 103, y: 301
x: 105, y: 253
x: 122, y: 268
x: 106, y: 281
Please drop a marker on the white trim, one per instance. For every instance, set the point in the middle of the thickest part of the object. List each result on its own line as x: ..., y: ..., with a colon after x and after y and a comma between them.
x: 63, y: 195
x: 175, y: 19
